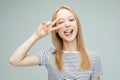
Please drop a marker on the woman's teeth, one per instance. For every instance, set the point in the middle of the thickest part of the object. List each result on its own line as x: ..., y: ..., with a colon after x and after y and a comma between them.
x: 68, y: 32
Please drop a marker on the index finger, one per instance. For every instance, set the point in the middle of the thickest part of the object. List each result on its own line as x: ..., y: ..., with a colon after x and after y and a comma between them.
x: 55, y: 21
x: 56, y: 28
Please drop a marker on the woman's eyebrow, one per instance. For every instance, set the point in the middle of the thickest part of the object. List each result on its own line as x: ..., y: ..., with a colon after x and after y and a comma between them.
x: 70, y: 16
x: 66, y: 17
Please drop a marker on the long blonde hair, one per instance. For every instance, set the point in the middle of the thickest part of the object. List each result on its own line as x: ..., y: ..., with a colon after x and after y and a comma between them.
x: 58, y: 43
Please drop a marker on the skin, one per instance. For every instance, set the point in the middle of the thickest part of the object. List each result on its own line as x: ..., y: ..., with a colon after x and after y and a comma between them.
x: 68, y: 22
x: 21, y: 56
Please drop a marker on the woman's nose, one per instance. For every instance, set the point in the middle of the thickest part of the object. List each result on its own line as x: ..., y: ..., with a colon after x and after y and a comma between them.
x: 67, y: 24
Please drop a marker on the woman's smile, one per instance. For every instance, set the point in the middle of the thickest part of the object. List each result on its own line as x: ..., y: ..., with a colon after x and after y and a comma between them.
x: 68, y: 32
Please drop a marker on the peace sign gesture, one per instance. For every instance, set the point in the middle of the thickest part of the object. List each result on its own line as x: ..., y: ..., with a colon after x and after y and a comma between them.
x: 46, y: 27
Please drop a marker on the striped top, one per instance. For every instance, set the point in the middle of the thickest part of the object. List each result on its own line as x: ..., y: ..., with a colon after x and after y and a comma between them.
x: 71, y: 60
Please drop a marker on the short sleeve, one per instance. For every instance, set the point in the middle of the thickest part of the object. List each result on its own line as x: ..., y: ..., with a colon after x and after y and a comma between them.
x: 43, y: 55
x: 97, y: 70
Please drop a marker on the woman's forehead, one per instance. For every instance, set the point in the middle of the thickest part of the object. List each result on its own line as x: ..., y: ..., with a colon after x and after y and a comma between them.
x: 64, y: 13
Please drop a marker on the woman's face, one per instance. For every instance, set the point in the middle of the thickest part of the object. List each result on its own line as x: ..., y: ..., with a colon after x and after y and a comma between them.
x: 69, y: 28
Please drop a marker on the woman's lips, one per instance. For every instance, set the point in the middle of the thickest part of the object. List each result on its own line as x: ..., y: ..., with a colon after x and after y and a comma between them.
x: 68, y: 32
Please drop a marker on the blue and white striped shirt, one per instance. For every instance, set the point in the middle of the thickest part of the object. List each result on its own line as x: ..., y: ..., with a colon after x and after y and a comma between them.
x: 71, y: 65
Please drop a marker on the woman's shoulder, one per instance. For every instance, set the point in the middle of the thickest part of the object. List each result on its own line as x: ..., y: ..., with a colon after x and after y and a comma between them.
x: 46, y: 51
x: 50, y: 49
x: 44, y: 54
x: 92, y: 54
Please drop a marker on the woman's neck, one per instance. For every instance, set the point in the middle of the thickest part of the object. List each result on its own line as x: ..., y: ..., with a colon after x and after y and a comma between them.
x: 70, y: 46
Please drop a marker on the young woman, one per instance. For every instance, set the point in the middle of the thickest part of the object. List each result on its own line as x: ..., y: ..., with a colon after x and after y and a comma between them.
x: 69, y: 59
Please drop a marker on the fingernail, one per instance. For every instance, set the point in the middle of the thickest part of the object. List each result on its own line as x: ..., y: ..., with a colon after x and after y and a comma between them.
x: 48, y: 22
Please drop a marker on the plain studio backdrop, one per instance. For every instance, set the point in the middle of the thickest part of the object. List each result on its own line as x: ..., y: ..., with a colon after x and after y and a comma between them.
x: 100, y: 20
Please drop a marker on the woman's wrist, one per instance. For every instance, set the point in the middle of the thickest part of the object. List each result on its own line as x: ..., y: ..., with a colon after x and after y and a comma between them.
x: 36, y: 36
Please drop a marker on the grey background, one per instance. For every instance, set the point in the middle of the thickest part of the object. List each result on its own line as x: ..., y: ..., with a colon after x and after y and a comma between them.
x: 19, y: 19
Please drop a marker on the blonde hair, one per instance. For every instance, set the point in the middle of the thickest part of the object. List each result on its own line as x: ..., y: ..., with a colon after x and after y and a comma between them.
x: 58, y: 43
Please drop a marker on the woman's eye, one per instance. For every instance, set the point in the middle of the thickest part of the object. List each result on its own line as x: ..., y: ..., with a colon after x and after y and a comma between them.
x: 60, y: 22
x: 71, y: 19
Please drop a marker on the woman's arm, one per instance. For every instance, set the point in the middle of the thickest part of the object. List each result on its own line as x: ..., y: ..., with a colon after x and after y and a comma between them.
x: 98, y: 78
x: 21, y: 57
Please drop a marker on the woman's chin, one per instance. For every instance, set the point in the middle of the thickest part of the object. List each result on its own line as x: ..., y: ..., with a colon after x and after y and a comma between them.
x: 69, y: 39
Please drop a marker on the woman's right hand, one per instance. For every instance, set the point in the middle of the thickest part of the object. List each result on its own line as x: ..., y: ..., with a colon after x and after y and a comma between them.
x: 47, y: 27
